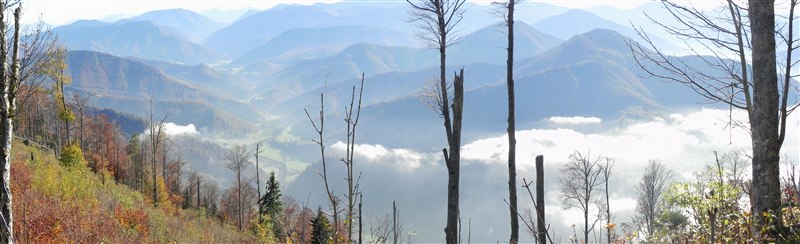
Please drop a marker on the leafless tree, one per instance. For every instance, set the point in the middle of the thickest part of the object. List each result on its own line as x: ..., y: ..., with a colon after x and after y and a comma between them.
x: 156, y: 135
x: 436, y: 21
x: 506, y: 10
x: 380, y: 229
x: 320, y: 129
x: 35, y: 47
x: 728, y: 46
x: 580, y: 180
x: 175, y: 169
x: 237, y: 162
x: 352, y: 183
x: 192, y: 190
x: 535, y: 226
x: 232, y: 199
x: 81, y: 104
x: 210, y: 194
x: 295, y: 219
x: 651, y: 188
x: 736, y: 163
x: 258, y: 179
x: 606, y: 174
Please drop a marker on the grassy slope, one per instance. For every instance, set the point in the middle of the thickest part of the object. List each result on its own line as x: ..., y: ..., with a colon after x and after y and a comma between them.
x: 54, y: 204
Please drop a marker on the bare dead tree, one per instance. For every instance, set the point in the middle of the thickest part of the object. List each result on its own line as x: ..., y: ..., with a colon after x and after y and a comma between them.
x: 176, y: 170
x: 728, y: 46
x: 380, y: 229
x: 397, y: 226
x: 210, y: 196
x: 35, y: 47
x: 541, y: 224
x: 436, y: 21
x: 237, y: 162
x: 580, y: 180
x: 352, y: 183
x: 258, y: 179
x: 606, y: 174
x: 506, y: 10
x: 156, y: 134
x: 536, y: 226
x: 736, y: 163
x: 320, y: 131
x: 81, y: 104
x: 651, y: 188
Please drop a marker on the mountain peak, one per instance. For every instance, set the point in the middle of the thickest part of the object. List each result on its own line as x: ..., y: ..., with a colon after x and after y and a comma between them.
x: 603, y: 36
x: 191, y: 25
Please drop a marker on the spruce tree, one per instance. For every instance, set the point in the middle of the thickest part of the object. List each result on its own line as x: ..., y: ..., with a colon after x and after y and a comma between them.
x: 270, y: 204
x: 320, y: 229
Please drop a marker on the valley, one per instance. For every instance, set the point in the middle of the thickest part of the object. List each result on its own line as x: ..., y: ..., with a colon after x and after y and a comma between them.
x: 244, y: 77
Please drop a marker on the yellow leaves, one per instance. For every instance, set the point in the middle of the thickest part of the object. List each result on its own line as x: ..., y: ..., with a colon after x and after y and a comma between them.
x: 72, y: 156
x: 55, y: 204
x: 66, y: 115
x: 163, y: 196
x: 56, y: 65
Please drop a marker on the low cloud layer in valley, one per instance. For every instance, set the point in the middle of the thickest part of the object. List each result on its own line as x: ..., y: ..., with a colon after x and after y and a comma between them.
x: 685, y: 142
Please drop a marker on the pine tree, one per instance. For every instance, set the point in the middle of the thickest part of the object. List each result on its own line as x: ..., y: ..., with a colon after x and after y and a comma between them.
x: 320, y: 229
x: 270, y: 204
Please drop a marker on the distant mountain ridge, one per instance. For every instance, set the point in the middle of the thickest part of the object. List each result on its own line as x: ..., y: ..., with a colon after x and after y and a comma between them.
x: 128, y: 86
x: 143, y: 39
x: 488, y: 44
x: 591, y: 74
x: 190, y: 25
x: 577, y: 21
x: 254, y: 30
x: 319, y: 42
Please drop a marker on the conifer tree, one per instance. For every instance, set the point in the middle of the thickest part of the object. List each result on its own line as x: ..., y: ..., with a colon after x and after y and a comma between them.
x: 270, y: 204
x: 320, y: 229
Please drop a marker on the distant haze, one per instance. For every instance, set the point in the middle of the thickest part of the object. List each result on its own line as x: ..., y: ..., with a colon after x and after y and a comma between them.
x: 59, y: 12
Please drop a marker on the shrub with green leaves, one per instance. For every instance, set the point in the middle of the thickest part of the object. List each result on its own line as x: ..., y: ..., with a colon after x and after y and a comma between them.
x: 72, y: 156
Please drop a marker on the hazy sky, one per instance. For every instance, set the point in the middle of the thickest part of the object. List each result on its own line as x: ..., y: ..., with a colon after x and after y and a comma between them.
x: 63, y: 11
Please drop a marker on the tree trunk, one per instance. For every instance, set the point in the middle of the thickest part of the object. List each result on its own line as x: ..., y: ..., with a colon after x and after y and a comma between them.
x: 764, y: 122
x: 8, y: 103
x: 608, y: 215
x: 453, y: 158
x: 394, y: 223
x: 258, y: 186
x: 239, y: 197
x: 6, y: 230
x: 512, y: 141
x: 451, y: 161
x: 198, y: 192
x: 540, y: 225
x: 586, y: 223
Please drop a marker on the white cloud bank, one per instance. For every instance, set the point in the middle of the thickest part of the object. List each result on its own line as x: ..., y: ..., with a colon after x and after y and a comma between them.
x: 172, y: 129
x: 377, y: 154
x: 176, y: 129
x: 683, y: 142
x: 574, y: 120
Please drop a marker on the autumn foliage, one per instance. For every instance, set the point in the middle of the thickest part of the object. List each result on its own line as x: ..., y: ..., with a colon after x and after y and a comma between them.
x: 57, y: 204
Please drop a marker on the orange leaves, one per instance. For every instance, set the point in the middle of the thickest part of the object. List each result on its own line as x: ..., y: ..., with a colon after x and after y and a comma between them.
x: 133, y: 219
x: 54, y: 204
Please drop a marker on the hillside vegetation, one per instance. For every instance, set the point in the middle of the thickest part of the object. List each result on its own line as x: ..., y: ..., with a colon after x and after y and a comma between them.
x: 58, y: 204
